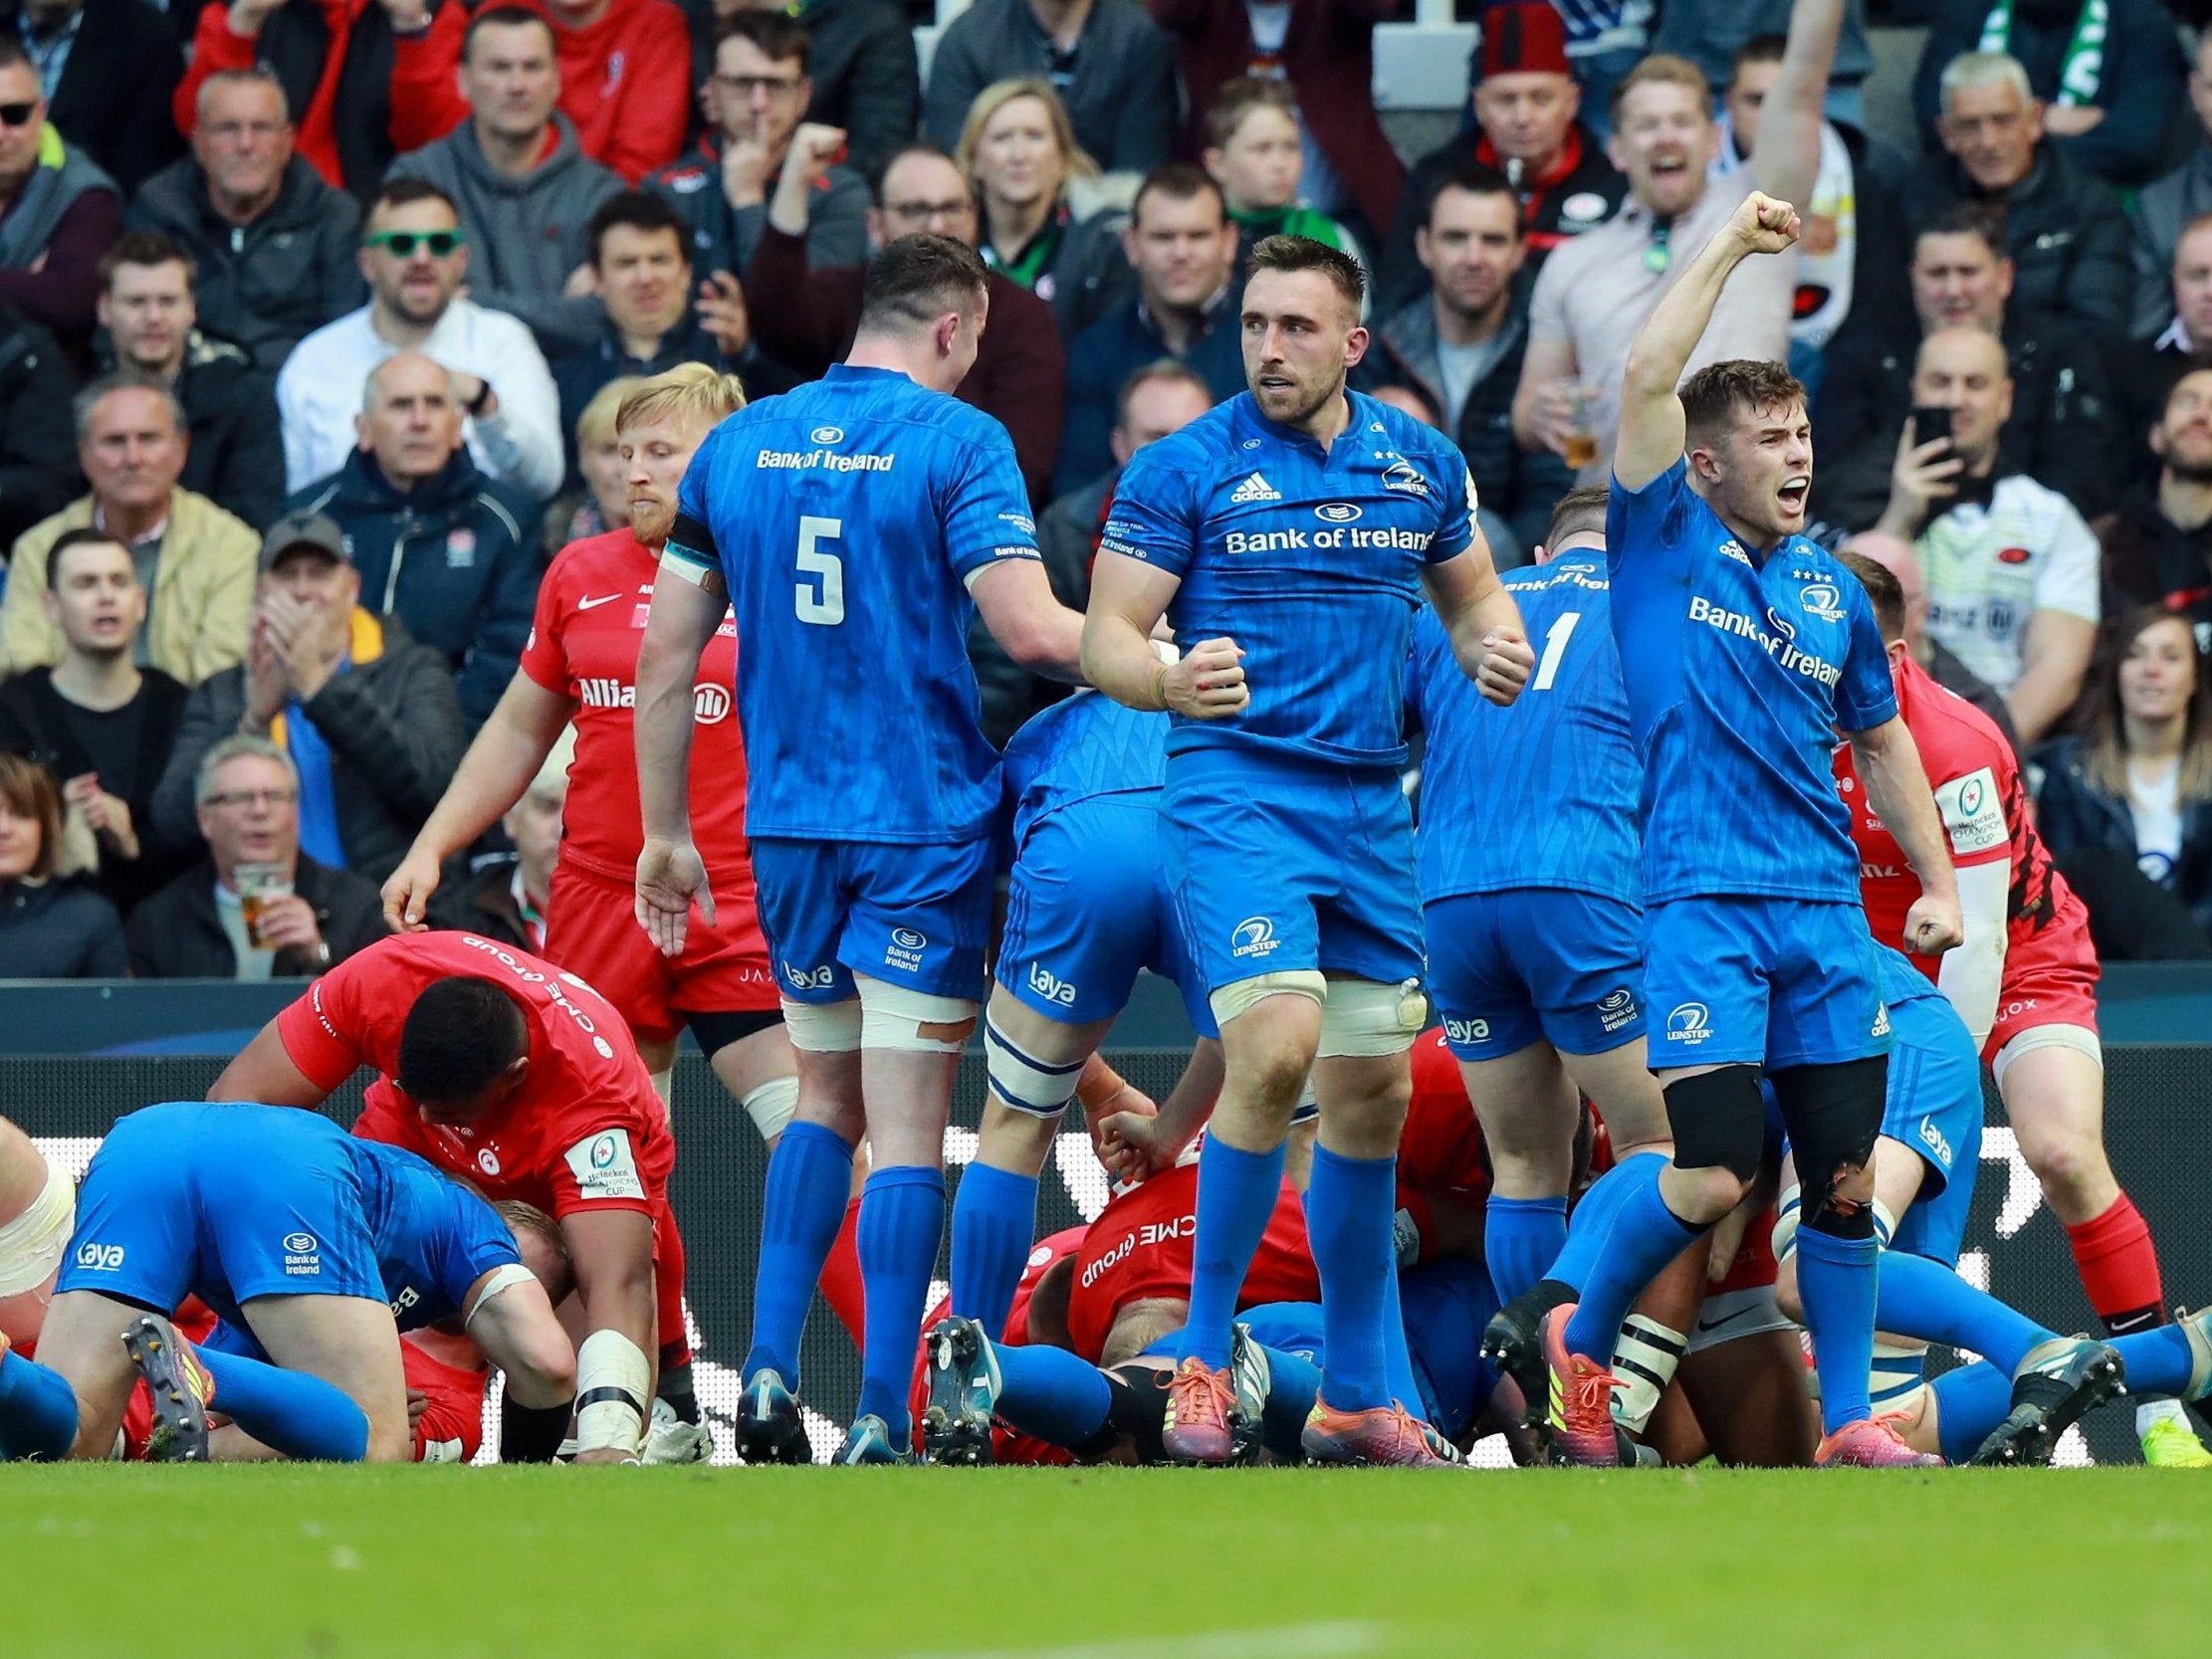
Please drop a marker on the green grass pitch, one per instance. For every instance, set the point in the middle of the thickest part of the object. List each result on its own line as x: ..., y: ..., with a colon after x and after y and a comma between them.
x: 112, y: 1559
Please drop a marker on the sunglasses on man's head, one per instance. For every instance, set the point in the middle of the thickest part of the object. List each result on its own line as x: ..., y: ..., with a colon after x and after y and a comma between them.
x: 402, y: 244
x: 18, y: 115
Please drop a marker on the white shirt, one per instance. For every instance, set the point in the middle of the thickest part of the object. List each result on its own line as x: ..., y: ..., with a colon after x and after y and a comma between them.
x: 318, y: 392
x: 2154, y: 802
x: 1990, y: 569
x: 1827, y: 243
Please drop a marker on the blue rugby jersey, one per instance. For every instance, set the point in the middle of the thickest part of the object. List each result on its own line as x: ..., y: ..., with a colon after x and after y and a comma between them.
x: 1310, y: 561
x: 1740, y: 668
x: 847, y: 518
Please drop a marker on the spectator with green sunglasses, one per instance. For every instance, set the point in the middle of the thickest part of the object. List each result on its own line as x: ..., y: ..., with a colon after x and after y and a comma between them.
x: 415, y: 258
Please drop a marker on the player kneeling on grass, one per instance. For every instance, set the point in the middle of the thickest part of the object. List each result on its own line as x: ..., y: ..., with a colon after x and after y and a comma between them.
x: 303, y: 1239
x: 498, y: 1068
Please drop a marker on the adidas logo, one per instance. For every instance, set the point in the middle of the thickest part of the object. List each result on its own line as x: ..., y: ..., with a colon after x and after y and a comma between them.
x: 1254, y: 488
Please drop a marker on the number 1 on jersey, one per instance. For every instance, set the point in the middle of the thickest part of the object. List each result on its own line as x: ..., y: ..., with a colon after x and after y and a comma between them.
x: 1555, y: 647
x: 824, y: 600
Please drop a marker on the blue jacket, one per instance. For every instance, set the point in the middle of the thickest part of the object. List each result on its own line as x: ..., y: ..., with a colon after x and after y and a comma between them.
x: 457, y: 559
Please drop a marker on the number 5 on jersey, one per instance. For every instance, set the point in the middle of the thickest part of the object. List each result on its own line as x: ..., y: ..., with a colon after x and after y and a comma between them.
x: 820, y: 593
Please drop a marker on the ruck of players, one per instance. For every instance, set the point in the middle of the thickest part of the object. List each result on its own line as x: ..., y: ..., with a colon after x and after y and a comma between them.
x: 1620, y: 1092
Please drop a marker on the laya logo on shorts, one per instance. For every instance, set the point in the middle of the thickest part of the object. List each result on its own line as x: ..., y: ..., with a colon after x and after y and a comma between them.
x: 99, y: 1257
x: 302, y: 1256
x: 810, y: 978
x: 1337, y: 512
x: 1935, y: 1141
x: 1252, y: 936
x: 905, y: 950
x: 1823, y: 600
x: 1467, y: 1031
x: 1616, y: 1008
x: 1689, y: 1023
x: 1050, y: 985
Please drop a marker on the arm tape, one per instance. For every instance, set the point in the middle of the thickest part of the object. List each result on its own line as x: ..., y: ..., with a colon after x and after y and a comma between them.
x: 504, y: 1277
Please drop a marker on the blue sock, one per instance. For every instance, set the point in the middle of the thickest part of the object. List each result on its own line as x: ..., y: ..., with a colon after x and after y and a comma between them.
x: 1970, y: 1402
x: 1644, y: 1236
x: 994, y: 1221
x: 902, y: 1222
x: 1293, y: 1385
x: 1521, y: 1238
x: 1593, y: 1216
x: 1051, y: 1393
x: 1924, y: 1299
x: 302, y: 1416
x: 38, y: 1412
x: 1348, y: 1221
x: 1397, y: 1354
x: 1236, y: 1196
x: 1836, y: 1279
x: 802, y: 1207
x: 2159, y: 1362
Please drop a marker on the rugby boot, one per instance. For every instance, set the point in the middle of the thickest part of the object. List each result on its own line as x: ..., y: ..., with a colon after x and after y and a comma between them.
x: 1386, y: 1436
x: 1871, y: 1443
x: 769, y: 1429
x: 671, y: 1440
x: 869, y: 1442
x: 1250, y: 1378
x: 1513, y: 1342
x: 1578, y: 1415
x: 2054, y: 1385
x: 180, y: 1389
x: 1202, y: 1400
x: 964, y: 1393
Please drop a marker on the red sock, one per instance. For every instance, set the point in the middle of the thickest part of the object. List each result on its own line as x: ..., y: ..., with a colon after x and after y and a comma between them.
x: 668, y: 1290
x: 2119, y: 1269
x: 840, y: 1280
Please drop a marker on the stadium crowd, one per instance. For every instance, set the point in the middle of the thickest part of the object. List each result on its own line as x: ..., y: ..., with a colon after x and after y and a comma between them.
x: 389, y: 333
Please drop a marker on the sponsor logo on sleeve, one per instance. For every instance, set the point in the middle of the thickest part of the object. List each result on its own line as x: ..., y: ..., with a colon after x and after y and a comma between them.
x: 605, y: 1168
x: 302, y: 1256
x: 1972, y: 812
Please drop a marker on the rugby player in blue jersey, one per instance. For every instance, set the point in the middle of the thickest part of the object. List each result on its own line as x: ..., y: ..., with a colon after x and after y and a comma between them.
x: 856, y: 526
x: 1087, y: 907
x: 1287, y: 535
x: 318, y: 1248
x: 1744, y: 648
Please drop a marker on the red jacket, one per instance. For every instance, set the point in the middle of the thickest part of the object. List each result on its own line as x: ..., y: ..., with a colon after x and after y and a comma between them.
x: 625, y: 84
x: 1328, y: 57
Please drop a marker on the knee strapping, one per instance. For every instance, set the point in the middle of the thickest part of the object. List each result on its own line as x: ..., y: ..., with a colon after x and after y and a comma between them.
x: 1244, y: 995
x: 894, y: 1017
x: 1022, y: 1083
x: 1363, y: 1018
x: 1833, y: 1115
x: 823, y: 1027
x: 1718, y: 1119
x: 33, y: 1244
x: 771, y: 1105
x: 1783, y: 1239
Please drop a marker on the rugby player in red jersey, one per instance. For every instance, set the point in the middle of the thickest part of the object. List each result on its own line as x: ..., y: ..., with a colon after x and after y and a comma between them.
x: 500, y: 1069
x: 581, y: 665
x: 2024, y: 983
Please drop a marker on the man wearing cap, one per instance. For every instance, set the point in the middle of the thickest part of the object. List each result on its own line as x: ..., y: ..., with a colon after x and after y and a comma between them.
x: 1528, y: 126
x: 445, y: 549
x: 365, y: 715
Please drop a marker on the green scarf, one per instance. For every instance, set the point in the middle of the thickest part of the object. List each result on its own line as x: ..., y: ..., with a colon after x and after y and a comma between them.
x: 2083, y: 69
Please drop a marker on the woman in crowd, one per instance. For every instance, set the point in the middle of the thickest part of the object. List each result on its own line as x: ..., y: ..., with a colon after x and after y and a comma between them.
x: 52, y: 926
x: 1042, y: 225
x: 2136, y: 780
